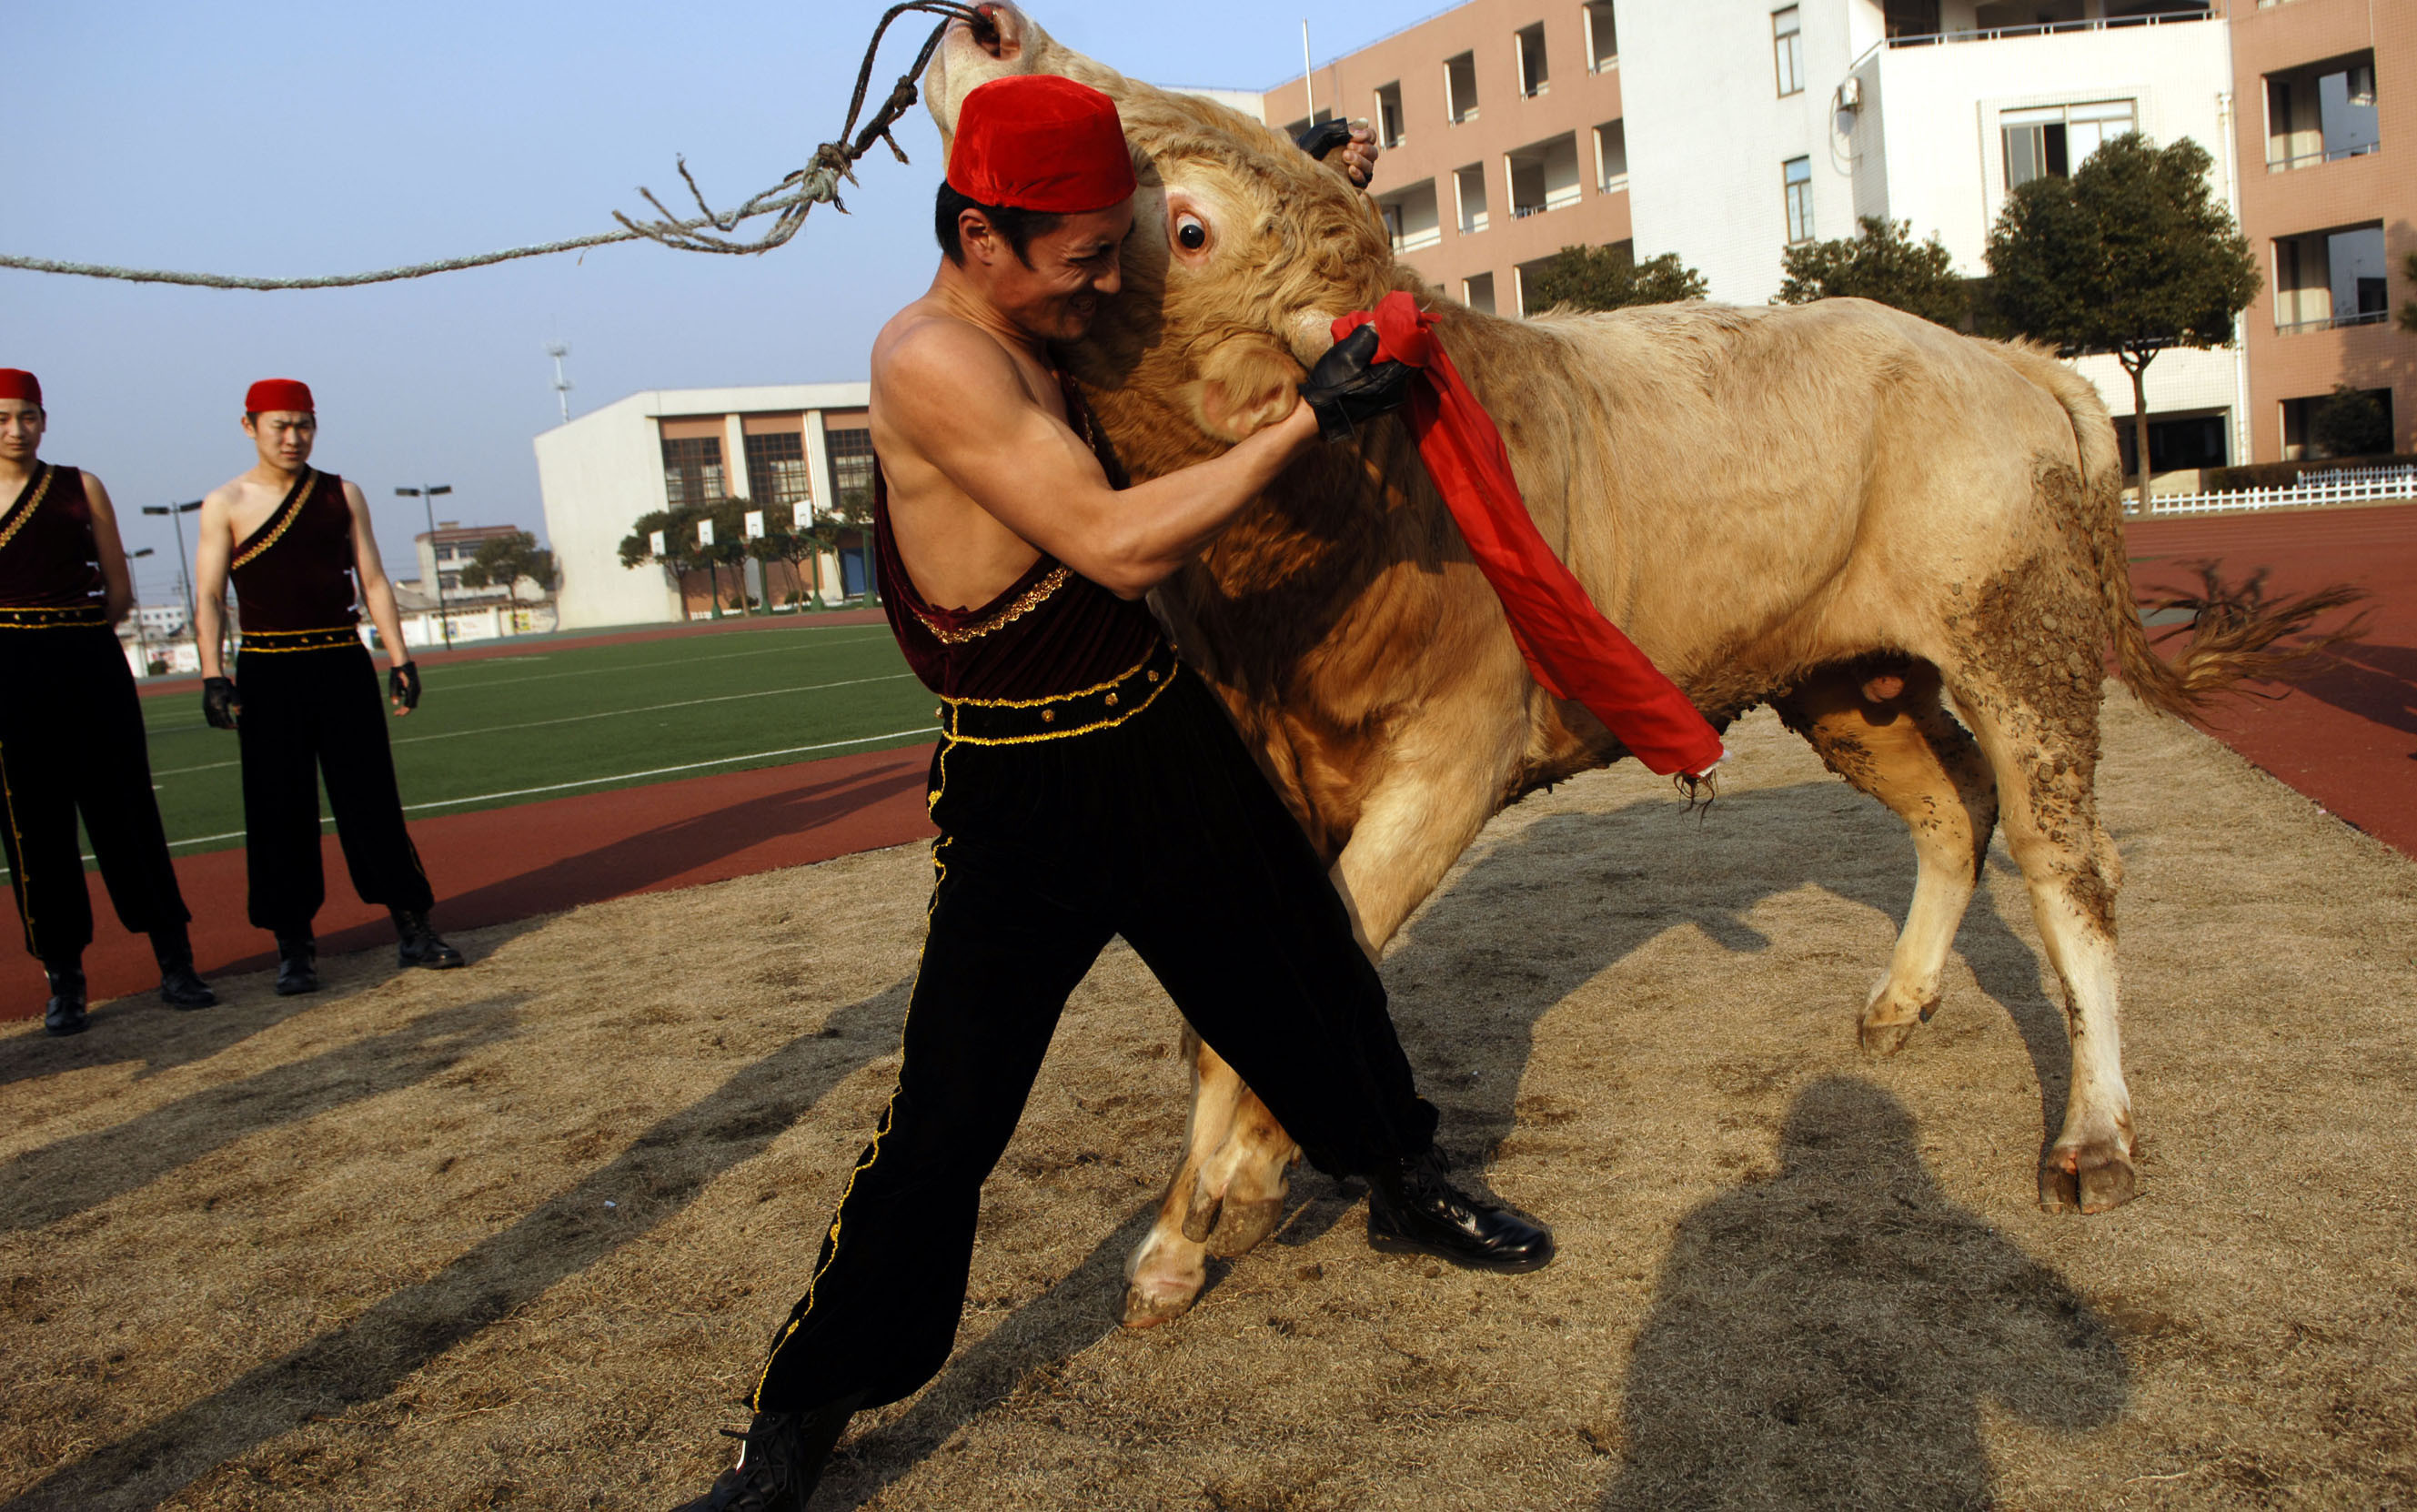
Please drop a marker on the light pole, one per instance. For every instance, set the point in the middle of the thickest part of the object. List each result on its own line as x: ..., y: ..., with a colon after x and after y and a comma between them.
x: 437, y: 572
x: 177, y: 513
x: 141, y: 646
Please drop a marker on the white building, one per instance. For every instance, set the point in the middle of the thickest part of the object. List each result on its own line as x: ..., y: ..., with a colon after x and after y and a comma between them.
x: 1922, y: 110
x: 781, y: 446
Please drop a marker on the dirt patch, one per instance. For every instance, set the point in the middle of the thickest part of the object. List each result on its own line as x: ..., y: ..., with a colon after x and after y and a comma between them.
x: 516, y: 1236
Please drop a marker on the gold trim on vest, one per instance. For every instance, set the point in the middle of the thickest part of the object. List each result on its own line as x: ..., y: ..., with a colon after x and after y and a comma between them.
x: 333, y: 638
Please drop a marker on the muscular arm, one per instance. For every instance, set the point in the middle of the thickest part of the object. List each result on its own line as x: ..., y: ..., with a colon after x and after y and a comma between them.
x: 377, y: 594
x: 955, y: 397
x: 117, y: 585
x: 211, y: 553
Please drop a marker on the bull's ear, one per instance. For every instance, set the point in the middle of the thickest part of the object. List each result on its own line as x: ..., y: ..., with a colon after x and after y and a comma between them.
x: 1243, y: 386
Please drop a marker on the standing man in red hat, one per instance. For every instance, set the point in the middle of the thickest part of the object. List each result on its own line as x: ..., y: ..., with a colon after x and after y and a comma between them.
x: 296, y: 542
x: 1086, y: 784
x: 71, y: 735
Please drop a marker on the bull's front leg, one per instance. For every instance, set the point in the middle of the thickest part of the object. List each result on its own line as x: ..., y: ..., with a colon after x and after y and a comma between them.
x: 1229, y: 1192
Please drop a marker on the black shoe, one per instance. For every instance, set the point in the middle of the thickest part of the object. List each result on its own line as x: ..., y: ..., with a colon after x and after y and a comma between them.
x: 1415, y: 1210
x: 779, y: 1463
x: 297, y: 965
x: 181, y: 987
x: 420, y: 945
x: 64, y: 1014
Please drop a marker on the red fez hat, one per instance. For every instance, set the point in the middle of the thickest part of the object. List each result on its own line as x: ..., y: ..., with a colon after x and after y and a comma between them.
x: 1036, y: 141
x: 279, y: 393
x: 16, y: 383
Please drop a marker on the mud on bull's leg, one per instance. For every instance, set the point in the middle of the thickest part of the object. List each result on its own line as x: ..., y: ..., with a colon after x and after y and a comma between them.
x: 1885, y: 733
x: 2042, y: 741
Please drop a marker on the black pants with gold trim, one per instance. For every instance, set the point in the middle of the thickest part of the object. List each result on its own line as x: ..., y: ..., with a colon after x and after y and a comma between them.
x: 71, y: 742
x: 1160, y: 829
x: 309, y: 714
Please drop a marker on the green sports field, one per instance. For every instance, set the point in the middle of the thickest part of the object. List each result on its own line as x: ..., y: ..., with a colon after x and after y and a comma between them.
x: 566, y: 719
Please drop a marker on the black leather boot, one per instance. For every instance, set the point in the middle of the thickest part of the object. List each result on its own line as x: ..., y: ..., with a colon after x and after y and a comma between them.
x: 64, y: 1014
x: 1414, y: 1209
x: 180, y: 985
x: 420, y: 945
x: 297, y: 965
x: 781, y: 1460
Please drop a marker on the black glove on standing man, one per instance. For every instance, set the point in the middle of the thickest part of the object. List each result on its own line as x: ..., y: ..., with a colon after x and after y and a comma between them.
x: 221, y: 704
x: 402, y: 686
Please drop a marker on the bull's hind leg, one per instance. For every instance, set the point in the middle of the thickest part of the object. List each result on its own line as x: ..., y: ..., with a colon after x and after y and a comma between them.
x: 1884, y: 732
x: 2033, y: 703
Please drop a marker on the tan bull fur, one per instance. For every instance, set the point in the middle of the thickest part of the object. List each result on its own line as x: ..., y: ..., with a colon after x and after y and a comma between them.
x: 1839, y: 508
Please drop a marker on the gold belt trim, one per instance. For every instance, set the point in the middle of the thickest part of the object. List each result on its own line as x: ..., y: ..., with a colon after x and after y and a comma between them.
x: 1023, y: 721
x: 57, y: 617
x: 333, y: 638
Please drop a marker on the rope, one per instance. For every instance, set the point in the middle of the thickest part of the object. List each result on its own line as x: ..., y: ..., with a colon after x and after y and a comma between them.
x: 709, y: 231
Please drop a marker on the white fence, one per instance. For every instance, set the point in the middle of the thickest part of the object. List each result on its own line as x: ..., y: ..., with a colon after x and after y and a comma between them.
x: 2347, y: 485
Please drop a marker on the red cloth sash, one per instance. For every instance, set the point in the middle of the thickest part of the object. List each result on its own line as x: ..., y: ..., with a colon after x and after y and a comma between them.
x: 1572, y: 650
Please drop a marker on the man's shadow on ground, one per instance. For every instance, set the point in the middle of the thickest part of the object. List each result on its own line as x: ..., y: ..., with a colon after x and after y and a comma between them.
x: 1827, y: 1338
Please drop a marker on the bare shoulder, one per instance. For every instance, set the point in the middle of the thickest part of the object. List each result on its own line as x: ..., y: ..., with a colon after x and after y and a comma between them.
x: 925, y: 354
x: 353, y: 496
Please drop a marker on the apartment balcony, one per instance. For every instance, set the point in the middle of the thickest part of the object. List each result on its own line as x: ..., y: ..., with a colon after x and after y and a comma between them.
x: 1916, y: 25
x: 2321, y: 113
x: 2331, y: 279
x: 1413, y: 221
x: 1544, y: 175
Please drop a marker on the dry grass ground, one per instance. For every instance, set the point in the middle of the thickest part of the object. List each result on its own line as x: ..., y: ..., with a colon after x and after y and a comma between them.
x: 515, y: 1236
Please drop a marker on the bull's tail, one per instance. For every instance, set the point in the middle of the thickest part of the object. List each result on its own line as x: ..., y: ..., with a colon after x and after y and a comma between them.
x: 2235, y: 628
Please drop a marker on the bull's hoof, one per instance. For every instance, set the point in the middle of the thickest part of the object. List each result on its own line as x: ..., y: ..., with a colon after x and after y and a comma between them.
x: 1891, y: 1017
x: 1241, y: 1226
x: 1149, y: 1304
x: 2087, y: 1178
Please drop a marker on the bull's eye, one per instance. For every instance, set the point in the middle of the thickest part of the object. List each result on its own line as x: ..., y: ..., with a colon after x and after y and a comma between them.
x: 1190, y: 234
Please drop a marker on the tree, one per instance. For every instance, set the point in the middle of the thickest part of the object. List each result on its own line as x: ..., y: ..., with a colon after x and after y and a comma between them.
x: 680, y: 554
x: 1611, y: 278
x: 2352, y: 423
x: 2409, y: 310
x: 782, y: 542
x: 2130, y: 255
x: 1881, y: 262
x: 505, y: 560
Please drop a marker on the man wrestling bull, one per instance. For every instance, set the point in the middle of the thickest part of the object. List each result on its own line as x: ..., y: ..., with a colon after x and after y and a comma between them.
x: 1087, y: 785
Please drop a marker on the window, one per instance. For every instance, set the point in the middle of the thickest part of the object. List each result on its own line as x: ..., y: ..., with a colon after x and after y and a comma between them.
x: 1534, y: 76
x: 1410, y: 217
x: 1787, y: 50
x: 2052, y: 140
x: 1469, y: 191
x: 1904, y: 19
x: 1796, y: 178
x: 1388, y: 115
x: 1544, y: 175
x: 1602, y: 37
x: 692, y: 469
x: 2327, y: 279
x: 776, y: 469
x: 2322, y: 113
x: 444, y: 554
x: 851, y: 465
x: 1460, y: 88
x: 1477, y: 293
x: 1611, y: 156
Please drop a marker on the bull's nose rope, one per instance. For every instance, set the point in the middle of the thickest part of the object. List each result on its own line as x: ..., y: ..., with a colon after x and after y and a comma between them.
x: 709, y: 231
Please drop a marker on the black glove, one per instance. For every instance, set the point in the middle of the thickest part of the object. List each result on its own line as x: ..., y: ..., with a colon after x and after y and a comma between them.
x: 1348, y: 384
x: 402, y: 684
x: 1322, y: 138
x: 219, y: 702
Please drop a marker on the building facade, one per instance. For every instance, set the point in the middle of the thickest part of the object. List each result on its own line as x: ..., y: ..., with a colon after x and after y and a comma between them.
x: 804, y: 450
x: 1727, y: 131
x: 2325, y: 135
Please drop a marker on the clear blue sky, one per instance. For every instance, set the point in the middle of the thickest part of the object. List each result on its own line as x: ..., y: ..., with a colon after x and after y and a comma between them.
x: 276, y: 141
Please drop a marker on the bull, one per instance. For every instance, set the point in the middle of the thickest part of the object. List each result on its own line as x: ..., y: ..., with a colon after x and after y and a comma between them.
x: 1839, y: 509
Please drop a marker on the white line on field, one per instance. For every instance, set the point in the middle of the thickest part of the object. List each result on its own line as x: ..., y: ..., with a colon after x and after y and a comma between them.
x: 573, y: 719
x: 597, y: 782
x: 459, y: 686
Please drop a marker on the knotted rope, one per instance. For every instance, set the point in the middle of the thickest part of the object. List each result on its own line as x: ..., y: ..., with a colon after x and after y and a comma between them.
x: 709, y: 231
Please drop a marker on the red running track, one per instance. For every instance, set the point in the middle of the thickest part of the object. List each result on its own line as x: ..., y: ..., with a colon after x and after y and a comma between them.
x: 505, y: 863
x: 2346, y: 733
x: 2345, y: 736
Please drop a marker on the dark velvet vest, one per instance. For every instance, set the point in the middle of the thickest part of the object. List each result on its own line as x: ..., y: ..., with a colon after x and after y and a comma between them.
x: 1050, y: 633
x: 48, y: 556
x: 295, y: 571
